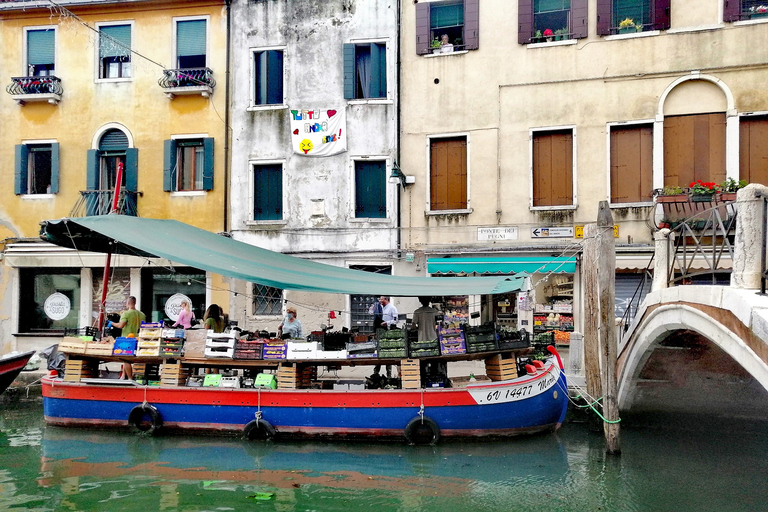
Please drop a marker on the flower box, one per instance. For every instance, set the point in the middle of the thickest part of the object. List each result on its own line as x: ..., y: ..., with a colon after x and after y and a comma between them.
x: 679, y: 198
x: 703, y: 198
x: 727, y: 196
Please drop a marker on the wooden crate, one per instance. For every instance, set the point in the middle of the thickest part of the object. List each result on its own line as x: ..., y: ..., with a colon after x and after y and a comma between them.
x: 410, y: 373
x: 76, y: 369
x: 99, y: 349
x: 288, y: 376
x: 72, y: 345
x: 498, y: 368
x: 308, y: 375
x: 174, y: 374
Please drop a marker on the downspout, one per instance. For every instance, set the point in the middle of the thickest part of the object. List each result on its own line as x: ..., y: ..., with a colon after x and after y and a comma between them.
x: 226, y: 120
x: 397, y: 129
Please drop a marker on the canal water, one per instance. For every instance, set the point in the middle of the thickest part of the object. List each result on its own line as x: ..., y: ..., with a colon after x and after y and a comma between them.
x: 669, y: 462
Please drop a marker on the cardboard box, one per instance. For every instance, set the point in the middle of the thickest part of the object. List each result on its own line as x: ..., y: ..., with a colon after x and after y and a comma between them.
x: 301, y: 349
x: 125, y: 347
x: 212, y: 380
x: 265, y: 380
x: 194, y: 346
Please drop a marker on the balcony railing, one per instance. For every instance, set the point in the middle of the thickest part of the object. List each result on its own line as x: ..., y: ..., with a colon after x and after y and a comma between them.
x: 99, y: 202
x: 187, y: 81
x: 35, y: 88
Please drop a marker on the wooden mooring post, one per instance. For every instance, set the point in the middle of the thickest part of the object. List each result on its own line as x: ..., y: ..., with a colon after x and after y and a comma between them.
x: 591, y: 316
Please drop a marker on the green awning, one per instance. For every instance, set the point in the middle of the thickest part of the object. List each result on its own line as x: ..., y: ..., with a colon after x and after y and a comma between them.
x: 501, y: 265
x: 187, y: 245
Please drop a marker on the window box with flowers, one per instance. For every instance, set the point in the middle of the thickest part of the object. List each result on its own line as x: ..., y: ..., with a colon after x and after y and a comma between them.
x: 671, y: 195
x: 703, y: 191
x: 728, y: 189
x: 627, y: 26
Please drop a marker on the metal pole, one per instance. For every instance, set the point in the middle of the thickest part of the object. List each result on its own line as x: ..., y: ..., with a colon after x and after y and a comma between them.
x: 108, y: 264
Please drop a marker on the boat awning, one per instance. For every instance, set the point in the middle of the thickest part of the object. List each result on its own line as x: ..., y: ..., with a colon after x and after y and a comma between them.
x: 188, y: 245
x: 501, y: 265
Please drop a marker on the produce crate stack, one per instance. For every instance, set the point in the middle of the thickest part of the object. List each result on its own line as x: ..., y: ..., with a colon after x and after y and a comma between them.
x: 150, y: 335
x: 452, y: 340
x: 423, y: 348
x: 393, y: 344
x: 500, y: 368
x: 76, y: 369
x: 172, y: 342
x: 288, y: 376
x: 481, y: 338
x: 366, y: 349
x: 174, y: 374
x: 334, y: 341
x: 100, y: 348
x: 146, y: 373
x: 511, y: 340
x: 410, y: 374
x: 249, y: 349
x: 221, y: 345
x: 308, y: 376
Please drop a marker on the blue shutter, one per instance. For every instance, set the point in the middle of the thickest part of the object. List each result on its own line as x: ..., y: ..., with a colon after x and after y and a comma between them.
x: 115, y: 41
x: 190, y: 38
x: 378, y: 71
x: 261, y: 78
x: 349, y: 71
x: 55, y: 168
x: 370, y: 190
x: 92, y: 170
x: 132, y: 169
x: 20, y: 174
x: 275, y: 77
x: 41, y: 46
x: 169, y: 165
x: 113, y: 140
x: 267, y: 192
x: 208, y: 163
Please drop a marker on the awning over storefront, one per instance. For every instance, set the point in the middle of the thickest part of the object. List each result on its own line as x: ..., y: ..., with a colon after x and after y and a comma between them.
x: 501, y: 265
x: 185, y: 244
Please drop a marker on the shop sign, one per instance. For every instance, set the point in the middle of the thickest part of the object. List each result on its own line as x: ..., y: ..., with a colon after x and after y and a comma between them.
x: 558, y: 232
x: 173, y: 305
x: 57, y: 306
x: 497, y: 233
x: 579, y: 231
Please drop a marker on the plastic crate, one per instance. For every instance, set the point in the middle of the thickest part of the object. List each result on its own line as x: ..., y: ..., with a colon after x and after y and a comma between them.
x: 394, y: 353
x: 81, y: 331
x: 425, y: 352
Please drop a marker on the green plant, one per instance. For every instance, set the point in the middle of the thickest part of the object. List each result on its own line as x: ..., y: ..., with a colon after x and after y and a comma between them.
x: 703, y: 188
x: 537, y: 35
x: 627, y: 23
x: 731, y: 185
x: 672, y: 191
x: 561, y: 33
x: 435, y: 43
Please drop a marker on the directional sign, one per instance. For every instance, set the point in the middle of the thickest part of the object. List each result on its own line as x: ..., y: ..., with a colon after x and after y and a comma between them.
x: 578, y: 231
x: 552, y: 232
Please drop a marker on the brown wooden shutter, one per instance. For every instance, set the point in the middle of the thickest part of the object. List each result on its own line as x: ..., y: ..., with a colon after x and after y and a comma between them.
x: 438, y: 175
x: 632, y: 164
x: 448, y: 174
x: 471, y: 24
x: 553, y: 168
x: 694, y: 149
x: 422, y: 28
x: 660, y: 14
x: 579, y: 19
x: 524, y: 21
x: 604, y: 15
x: 731, y: 10
x: 753, y: 150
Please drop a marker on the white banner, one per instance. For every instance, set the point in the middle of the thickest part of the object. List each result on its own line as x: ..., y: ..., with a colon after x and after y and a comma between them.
x: 318, y: 132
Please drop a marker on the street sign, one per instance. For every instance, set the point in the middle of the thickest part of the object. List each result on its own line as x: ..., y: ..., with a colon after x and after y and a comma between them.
x: 578, y: 231
x: 497, y: 233
x: 552, y: 232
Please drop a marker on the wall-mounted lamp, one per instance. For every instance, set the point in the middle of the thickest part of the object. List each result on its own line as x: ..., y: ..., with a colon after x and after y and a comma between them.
x: 397, y: 176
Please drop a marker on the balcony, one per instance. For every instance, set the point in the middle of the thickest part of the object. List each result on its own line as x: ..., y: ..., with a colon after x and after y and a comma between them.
x: 99, y: 202
x: 178, y: 82
x: 24, y: 89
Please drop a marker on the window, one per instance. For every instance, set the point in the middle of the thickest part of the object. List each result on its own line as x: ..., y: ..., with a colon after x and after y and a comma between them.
x: 268, y: 192
x: 753, y: 149
x: 459, y: 20
x: 35, y: 286
x: 632, y: 164
x: 553, y: 168
x: 365, y: 71
x: 643, y: 15
x: 41, y: 52
x: 101, y: 174
x: 370, y: 189
x: 694, y: 149
x: 448, y: 173
x: 268, y: 77
x: 735, y: 10
x: 191, y: 44
x: 267, y: 300
x: 566, y: 19
x: 361, y: 319
x: 188, y: 164
x: 638, y: 11
x: 115, y: 51
x: 37, y: 169
x: 551, y: 15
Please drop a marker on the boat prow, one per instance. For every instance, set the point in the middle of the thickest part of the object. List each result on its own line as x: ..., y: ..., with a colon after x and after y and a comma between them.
x: 11, y: 366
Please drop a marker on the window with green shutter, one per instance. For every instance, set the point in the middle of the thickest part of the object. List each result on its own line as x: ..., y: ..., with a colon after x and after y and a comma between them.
x: 37, y: 169
x: 370, y: 189
x: 41, y: 52
x: 268, y: 69
x: 190, y: 44
x: 268, y: 192
x: 115, y: 51
x: 188, y: 164
x: 365, y: 70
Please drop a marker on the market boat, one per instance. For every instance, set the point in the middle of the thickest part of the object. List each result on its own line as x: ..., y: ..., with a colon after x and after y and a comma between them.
x: 535, y: 402
x: 11, y: 366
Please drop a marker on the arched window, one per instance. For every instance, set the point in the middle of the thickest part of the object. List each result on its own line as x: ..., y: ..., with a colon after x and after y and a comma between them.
x: 103, y: 162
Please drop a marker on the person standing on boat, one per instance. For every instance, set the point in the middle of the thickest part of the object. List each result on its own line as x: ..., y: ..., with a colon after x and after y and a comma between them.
x: 185, y: 316
x: 425, y: 319
x: 388, y: 321
x: 290, y: 326
x: 212, y: 319
x: 130, y: 323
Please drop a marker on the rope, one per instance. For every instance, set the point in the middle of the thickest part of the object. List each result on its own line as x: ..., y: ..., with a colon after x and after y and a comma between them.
x: 589, y: 405
x: 145, y: 396
x: 421, y: 407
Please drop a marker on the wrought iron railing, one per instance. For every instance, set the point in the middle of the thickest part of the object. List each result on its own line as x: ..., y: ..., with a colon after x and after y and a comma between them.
x: 192, y: 77
x: 99, y: 202
x: 34, y: 85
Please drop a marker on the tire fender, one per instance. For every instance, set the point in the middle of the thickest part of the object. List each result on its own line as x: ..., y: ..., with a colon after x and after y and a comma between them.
x: 136, y: 417
x: 258, y: 429
x: 422, y: 430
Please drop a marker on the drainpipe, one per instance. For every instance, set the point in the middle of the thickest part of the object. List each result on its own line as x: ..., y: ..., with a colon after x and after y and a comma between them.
x: 397, y: 128
x: 226, y: 120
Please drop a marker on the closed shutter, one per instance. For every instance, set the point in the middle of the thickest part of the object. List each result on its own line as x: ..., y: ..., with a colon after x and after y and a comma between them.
x: 604, y: 15
x: 132, y: 169
x: 524, y: 21
x: 694, y: 149
x: 92, y: 170
x: 471, y: 24
x: 169, y: 165
x: 55, y: 168
x: 631, y: 164
x: 41, y: 47
x: 627, y: 287
x: 448, y: 174
x: 190, y: 38
x: 579, y: 19
x: 275, y: 75
x: 113, y: 140
x: 378, y: 70
x: 21, y: 169
x: 553, y: 168
x: 731, y: 10
x: 457, y: 174
x: 423, y: 32
x: 370, y: 190
x: 753, y: 150
x: 438, y: 175
x: 660, y: 14
x: 349, y: 71
x: 115, y: 41
x: 208, y: 163
x: 268, y: 192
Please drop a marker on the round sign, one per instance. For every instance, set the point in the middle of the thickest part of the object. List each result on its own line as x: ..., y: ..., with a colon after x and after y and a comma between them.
x: 57, y: 306
x: 173, y: 305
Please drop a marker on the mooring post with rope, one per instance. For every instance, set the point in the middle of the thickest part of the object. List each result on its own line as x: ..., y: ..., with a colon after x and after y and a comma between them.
x: 591, y: 316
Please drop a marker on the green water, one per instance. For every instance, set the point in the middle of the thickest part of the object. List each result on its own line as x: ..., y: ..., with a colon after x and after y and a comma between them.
x: 675, y: 463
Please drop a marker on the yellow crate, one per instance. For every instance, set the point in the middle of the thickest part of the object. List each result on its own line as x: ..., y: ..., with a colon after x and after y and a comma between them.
x: 99, y: 349
x: 150, y: 332
x: 148, y: 352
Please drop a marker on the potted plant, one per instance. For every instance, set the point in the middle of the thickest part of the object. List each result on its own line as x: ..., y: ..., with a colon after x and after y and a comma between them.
x: 665, y: 223
x: 548, y: 34
x: 703, y: 191
x: 671, y: 194
x: 536, y: 37
x: 561, y: 34
x: 729, y: 187
x: 435, y: 45
x: 626, y: 26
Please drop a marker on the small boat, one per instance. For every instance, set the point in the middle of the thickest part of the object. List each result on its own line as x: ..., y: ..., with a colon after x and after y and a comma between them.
x: 11, y: 366
x: 535, y: 402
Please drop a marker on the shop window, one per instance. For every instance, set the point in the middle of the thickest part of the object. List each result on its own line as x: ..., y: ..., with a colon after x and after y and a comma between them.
x: 735, y: 10
x: 448, y: 173
x: 160, y: 284
x: 191, y: 44
x: 365, y: 71
x: 188, y: 164
x: 637, y: 15
x: 41, y: 52
x: 553, y: 168
x: 457, y: 20
x: 268, y: 192
x: 36, y: 285
x: 753, y: 149
x: 115, y: 51
x: 632, y: 164
x: 268, y: 77
x: 370, y: 189
x: 37, y: 169
x: 361, y: 319
x: 694, y: 149
x: 267, y: 300
x: 548, y: 20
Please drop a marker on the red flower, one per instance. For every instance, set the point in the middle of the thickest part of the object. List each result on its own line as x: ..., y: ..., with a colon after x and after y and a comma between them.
x: 548, y: 33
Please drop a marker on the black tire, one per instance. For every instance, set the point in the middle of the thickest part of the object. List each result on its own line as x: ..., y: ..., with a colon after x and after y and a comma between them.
x: 422, y: 430
x: 259, y: 430
x: 145, y: 418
